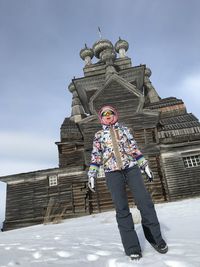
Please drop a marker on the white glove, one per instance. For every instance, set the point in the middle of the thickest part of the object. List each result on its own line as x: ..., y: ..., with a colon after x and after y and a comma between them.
x: 91, y: 183
x: 148, y: 173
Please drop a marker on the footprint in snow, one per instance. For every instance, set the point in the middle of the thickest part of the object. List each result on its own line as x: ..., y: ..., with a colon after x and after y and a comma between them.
x: 91, y: 257
x: 63, y: 254
x: 103, y: 253
x: 37, y: 255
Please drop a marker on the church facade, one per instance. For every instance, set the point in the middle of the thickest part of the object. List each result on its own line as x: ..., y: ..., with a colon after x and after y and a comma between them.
x: 166, y: 133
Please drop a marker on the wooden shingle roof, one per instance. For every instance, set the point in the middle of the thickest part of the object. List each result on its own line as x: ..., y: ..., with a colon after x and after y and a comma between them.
x: 187, y: 120
x: 70, y: 130
x: 165, y: 102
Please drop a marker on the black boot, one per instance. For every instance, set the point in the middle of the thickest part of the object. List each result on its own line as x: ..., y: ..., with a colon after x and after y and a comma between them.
x: 161, y: 247
x: 135, y: 256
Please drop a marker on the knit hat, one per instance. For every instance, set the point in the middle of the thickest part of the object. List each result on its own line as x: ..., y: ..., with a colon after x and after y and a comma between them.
x: 103, y: 119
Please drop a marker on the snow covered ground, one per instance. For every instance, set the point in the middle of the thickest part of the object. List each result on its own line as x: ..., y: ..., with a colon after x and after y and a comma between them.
x: 94, y: 241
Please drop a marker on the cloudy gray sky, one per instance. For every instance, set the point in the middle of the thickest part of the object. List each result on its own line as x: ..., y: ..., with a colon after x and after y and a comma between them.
x: 40, y: 42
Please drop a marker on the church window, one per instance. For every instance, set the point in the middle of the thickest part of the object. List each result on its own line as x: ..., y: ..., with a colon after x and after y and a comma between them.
x: 53, y: 180
x: 191, y: 161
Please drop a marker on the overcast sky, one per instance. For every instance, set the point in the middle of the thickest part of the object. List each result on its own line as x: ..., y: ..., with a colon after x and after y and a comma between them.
x: 40, y: 41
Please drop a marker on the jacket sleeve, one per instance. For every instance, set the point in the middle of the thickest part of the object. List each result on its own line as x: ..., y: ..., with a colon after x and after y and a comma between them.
x: 135, y: 152
x: 96, y: 157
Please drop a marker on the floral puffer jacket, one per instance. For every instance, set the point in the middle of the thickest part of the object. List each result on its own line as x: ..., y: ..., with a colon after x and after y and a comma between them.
x: 115, y: 148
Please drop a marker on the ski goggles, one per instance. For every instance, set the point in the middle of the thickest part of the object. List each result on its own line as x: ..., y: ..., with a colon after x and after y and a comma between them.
x: 107, y: 113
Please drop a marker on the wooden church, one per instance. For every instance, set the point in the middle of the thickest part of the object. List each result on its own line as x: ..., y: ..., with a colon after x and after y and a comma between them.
x: 167, y: 134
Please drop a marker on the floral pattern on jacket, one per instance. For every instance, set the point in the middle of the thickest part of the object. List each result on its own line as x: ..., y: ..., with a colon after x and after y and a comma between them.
x: 103, y: 151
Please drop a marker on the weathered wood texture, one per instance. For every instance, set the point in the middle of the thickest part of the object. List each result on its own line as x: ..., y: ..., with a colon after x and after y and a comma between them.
x: 71, y: 154
x: 112, y: 95
x: 29, y: 195
x: 179, y: 135
x: 121, y: 64
x: 71, y: 146
x: 181, y: 181
x: 31, y: 200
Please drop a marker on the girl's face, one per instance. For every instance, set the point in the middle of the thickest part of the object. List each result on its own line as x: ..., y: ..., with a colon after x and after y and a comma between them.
x: 108, y: 117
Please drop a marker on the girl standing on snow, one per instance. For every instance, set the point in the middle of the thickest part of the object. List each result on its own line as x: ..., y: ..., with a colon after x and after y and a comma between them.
x: 115, y: 148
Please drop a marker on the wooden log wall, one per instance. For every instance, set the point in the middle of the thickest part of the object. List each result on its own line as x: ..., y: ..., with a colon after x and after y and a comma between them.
x: 29, y: 196
x: 182, y: 182
x: 71, y: 154
x: 30, y: 200
x: 145, y: 136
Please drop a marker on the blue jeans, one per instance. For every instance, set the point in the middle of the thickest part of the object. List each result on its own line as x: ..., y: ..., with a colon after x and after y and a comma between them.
x: 116, y: 182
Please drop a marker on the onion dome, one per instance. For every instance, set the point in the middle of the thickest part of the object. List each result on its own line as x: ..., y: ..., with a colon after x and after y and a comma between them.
x: 86, y: 52
x: 121, y: 47
x: 121, y: 44
x: 101, y: 45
